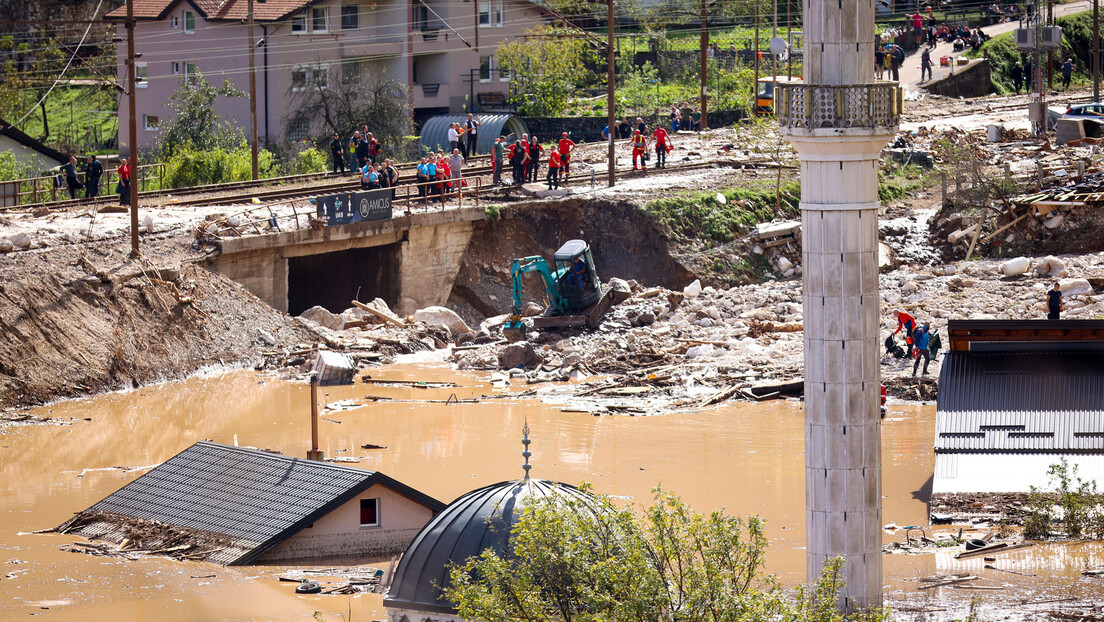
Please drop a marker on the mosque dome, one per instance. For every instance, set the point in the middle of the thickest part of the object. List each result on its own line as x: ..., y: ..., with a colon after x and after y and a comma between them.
x: 479, y: 520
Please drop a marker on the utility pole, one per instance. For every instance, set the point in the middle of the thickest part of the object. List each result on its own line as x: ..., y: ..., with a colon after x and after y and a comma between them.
x: 133, y: 129
x: 611, y: 78
x: 755, y: 50
x: 1096, y: 50
x: 252, y: 95
x: 704, y: 65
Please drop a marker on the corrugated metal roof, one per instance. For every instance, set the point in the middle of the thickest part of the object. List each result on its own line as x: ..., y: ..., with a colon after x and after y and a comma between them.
x: 255, y: 498
x: 479, y: 520
x: 1021, y: 402
x: 434, y: 134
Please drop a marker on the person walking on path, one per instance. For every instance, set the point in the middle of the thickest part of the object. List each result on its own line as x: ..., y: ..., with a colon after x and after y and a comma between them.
x: 124, y: 182
x: 662, y: 146
x: 93, y: 170
x: 925, y: 65
x: 1054, y: 302
x: 1067, y: 73
x: 336, y: 151
x: 639, y: 150
x: 920, y: 337
x: 1017, y: 74
x: 498, y: 150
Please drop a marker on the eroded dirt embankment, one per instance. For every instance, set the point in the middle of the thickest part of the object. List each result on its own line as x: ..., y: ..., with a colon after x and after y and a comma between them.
x: 626, y: 244
x: 79, y: 319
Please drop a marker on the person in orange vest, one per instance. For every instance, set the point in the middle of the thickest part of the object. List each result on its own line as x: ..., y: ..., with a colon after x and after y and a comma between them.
x: 639, y: 149
x: 662, y: 146
x: 554, y: 162
x: 565, y: 146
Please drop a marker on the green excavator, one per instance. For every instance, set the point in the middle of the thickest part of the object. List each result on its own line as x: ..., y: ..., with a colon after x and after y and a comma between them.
x: 575, y: 294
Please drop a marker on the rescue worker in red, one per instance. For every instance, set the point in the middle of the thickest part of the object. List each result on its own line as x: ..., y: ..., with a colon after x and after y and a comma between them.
x: 662, y: 146
x: 565, y: 146
x: 906, y: 321
x: 554, y: 162
x: 639, y: 149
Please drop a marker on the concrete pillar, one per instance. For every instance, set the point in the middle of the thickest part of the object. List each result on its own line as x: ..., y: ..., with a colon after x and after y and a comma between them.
x: 838, y: 121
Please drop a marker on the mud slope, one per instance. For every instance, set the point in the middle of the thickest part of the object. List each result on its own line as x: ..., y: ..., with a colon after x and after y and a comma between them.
x: 68, y: 329
x: 625, y: 244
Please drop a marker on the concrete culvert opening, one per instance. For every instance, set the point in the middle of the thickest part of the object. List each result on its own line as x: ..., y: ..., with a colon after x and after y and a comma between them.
x: 331, y: 280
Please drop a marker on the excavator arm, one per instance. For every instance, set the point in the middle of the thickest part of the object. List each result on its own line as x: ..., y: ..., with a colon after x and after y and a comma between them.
x: 515, y: 328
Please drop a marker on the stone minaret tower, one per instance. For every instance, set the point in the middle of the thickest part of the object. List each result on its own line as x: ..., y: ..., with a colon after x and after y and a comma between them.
x: 838, y: 120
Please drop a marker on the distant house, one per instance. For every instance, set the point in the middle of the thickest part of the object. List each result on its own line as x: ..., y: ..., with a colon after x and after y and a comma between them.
x: 1016, y: 397
x: 239, y: 506
x: 443, y: 50
x: 28, y: 151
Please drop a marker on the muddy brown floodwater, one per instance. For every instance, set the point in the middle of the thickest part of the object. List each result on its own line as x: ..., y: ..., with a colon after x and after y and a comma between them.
x: 746, y: 458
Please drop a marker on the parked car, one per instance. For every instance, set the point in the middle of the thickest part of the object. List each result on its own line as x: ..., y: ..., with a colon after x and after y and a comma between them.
x: 1086, y: 111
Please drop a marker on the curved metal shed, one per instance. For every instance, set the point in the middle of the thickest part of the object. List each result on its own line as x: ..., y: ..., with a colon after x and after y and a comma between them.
x: 434, y: 134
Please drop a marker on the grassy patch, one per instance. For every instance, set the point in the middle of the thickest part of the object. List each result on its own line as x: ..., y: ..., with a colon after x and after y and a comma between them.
x: 896, y: 181
x: 76, y: 118
x: 699, y: 216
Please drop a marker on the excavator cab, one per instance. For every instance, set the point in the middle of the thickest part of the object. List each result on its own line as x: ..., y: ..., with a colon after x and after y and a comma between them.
x: 576, y: 279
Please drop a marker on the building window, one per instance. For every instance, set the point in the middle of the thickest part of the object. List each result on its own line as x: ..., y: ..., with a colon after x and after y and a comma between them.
x: 320, y: 76
x: 189, y: 22
x: 150, y: 121
x: 176, y: 21
x: 299, y: 128
x: 175, y: 68
x: 299, y: 23
x: 191, y: 74
x: 350, y: 71
x: 141, y: 74
x: 369, y: 513
x: 484, y: 68
x: 350, y: 17
x: 320, y: 19
x: 500, y: 13
x: 485, y: 13
x: 299, y: 78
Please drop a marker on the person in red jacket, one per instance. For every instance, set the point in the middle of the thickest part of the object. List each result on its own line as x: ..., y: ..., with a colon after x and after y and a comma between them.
x: 662, y: 146
x: 124, y: 182
x: 554, y: 163
x: 906, y: 321
x: 565, y: 146
x: 639, y: 149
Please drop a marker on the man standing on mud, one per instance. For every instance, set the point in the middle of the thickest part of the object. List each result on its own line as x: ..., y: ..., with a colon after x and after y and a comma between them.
x: 498, y: 149
x: 93, y: 170
x: 920, y: 338
x: 336, y: 151
x: 1054, y: 302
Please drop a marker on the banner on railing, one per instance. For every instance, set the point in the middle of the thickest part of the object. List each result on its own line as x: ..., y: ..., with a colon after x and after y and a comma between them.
x: 350, y: 207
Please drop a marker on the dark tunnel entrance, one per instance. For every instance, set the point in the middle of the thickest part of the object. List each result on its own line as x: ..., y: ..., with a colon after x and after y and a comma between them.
x: 331, y: 280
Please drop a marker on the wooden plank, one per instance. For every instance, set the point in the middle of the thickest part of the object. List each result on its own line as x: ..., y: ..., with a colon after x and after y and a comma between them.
x: 386, y: 317
x: 995, y: 233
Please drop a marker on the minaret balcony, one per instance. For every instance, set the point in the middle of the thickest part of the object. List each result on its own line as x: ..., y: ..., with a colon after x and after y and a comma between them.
x: 807, y: 109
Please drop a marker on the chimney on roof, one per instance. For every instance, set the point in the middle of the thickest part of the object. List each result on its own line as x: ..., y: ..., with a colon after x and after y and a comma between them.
x: 315, y: 453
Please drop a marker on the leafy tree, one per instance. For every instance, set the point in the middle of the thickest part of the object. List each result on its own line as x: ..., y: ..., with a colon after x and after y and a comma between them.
x: 349, y: 103
x: 637, y: 89
x: 545, y: 68
x: 11, y: 168
x: 196, y: 126
x: 572, y: 560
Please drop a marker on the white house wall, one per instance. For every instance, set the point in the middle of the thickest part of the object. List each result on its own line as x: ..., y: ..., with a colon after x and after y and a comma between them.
x: 965, y: 472
x: 339, y: 533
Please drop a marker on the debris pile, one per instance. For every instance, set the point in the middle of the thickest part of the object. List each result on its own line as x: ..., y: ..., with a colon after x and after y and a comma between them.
x: 132, y: 536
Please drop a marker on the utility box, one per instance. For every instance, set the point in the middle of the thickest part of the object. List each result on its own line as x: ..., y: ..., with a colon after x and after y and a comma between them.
x: 334, y: 368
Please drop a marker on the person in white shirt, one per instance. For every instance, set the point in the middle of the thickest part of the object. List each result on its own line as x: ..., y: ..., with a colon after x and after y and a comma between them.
x: 453, y: 137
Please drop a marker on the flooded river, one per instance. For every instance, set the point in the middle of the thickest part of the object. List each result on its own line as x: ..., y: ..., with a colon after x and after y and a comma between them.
x: 746, y: 458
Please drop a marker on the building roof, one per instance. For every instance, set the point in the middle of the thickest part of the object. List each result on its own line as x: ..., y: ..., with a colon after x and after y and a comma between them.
x: 1014, y: 335
x: 1030, y: 401
x: 15, y: 134
x: 479, y: 520
x: 254, y: 499
x: 214, y: 10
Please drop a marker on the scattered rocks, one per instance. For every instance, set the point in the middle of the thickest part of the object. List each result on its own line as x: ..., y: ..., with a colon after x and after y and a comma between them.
x: 441, y: 316
x: 520, y: 354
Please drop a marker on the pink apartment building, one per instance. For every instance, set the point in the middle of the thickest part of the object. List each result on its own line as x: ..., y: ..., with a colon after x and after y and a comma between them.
x: 444, y: 50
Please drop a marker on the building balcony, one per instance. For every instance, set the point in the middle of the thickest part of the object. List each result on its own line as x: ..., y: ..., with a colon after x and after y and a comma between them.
x: 847, y: 109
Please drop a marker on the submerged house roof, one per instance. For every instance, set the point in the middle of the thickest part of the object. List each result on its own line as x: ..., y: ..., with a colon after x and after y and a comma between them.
x: 1028, y: 401
x: 245, y: 500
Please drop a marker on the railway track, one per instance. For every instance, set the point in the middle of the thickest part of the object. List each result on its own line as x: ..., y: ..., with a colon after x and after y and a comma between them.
x: 228, y: 187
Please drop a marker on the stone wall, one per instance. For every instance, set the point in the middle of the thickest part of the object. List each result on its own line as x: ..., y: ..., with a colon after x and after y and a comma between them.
x: 366, y: 543
x: 972, y: 80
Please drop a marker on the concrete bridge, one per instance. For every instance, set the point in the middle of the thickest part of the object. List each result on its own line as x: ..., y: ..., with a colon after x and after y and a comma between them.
x: 410, y: 261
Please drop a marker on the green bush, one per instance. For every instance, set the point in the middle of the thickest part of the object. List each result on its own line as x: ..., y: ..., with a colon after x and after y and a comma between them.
x: 10, y: 168
x: 309, y: 160
x: 702, y: 216
x: 189, y: 167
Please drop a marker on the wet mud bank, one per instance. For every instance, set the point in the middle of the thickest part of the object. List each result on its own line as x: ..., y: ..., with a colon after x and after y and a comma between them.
x: 626, y: 244
x: 81, y: 320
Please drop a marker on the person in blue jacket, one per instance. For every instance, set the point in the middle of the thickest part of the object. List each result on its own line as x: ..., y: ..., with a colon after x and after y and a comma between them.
x: 920, y: 340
